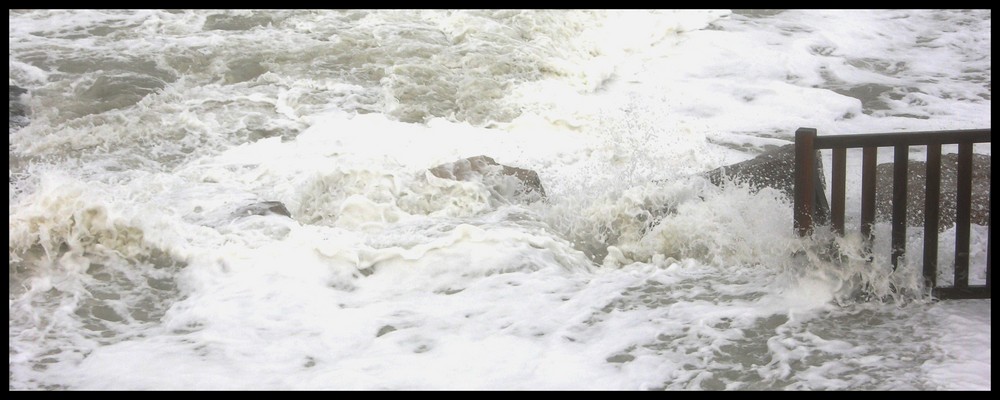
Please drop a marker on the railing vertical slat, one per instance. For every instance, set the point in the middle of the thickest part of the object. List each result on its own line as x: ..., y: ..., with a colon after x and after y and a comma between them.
x: 932, y: 215
x: 838, y: 189
x: 963, y: 206
x: 899, y: 180
x: 869, y: 158
x: 805, y: 161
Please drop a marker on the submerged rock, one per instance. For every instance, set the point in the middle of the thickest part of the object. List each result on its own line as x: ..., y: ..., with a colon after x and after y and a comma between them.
x: 776, y: 169
x: 915, y: 186
x: 506, y: 181
x: 263, y: 208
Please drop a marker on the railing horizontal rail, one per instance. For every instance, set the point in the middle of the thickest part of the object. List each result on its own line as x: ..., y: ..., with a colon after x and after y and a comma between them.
x: 893, y: 139
x: 968, y: 292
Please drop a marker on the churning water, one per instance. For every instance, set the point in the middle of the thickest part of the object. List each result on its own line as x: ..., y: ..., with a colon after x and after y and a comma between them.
x: 135, y: 136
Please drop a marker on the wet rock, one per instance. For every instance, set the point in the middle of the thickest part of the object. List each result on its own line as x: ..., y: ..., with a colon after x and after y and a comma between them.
x: 915, y: 186
x: 263, y: 208
x: 776, y: 169
x: 506, y: 181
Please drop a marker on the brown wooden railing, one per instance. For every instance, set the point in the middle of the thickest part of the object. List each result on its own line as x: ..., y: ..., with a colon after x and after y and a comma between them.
x: 806, y: 145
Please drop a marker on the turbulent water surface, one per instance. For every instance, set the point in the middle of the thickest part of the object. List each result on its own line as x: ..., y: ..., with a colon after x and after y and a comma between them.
x: 135, y: 137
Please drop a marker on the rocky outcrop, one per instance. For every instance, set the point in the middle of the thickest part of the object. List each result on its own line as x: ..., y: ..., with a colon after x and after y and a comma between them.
x: 262, y: 208
x: 915, y: 186
x: 508, y: 182
x: 776, y: 169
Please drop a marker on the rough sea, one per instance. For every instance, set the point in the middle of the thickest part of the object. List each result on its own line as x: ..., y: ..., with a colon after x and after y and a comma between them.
x: 136, y: 137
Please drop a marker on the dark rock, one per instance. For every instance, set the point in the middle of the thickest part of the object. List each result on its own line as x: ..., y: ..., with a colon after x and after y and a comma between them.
x: 499, y: 177
x: 263, y: 208
x: 915, y: 186
x: 776, y: 169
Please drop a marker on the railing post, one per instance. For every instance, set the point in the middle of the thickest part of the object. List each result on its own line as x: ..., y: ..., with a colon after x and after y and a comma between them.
x: 805, y: 181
